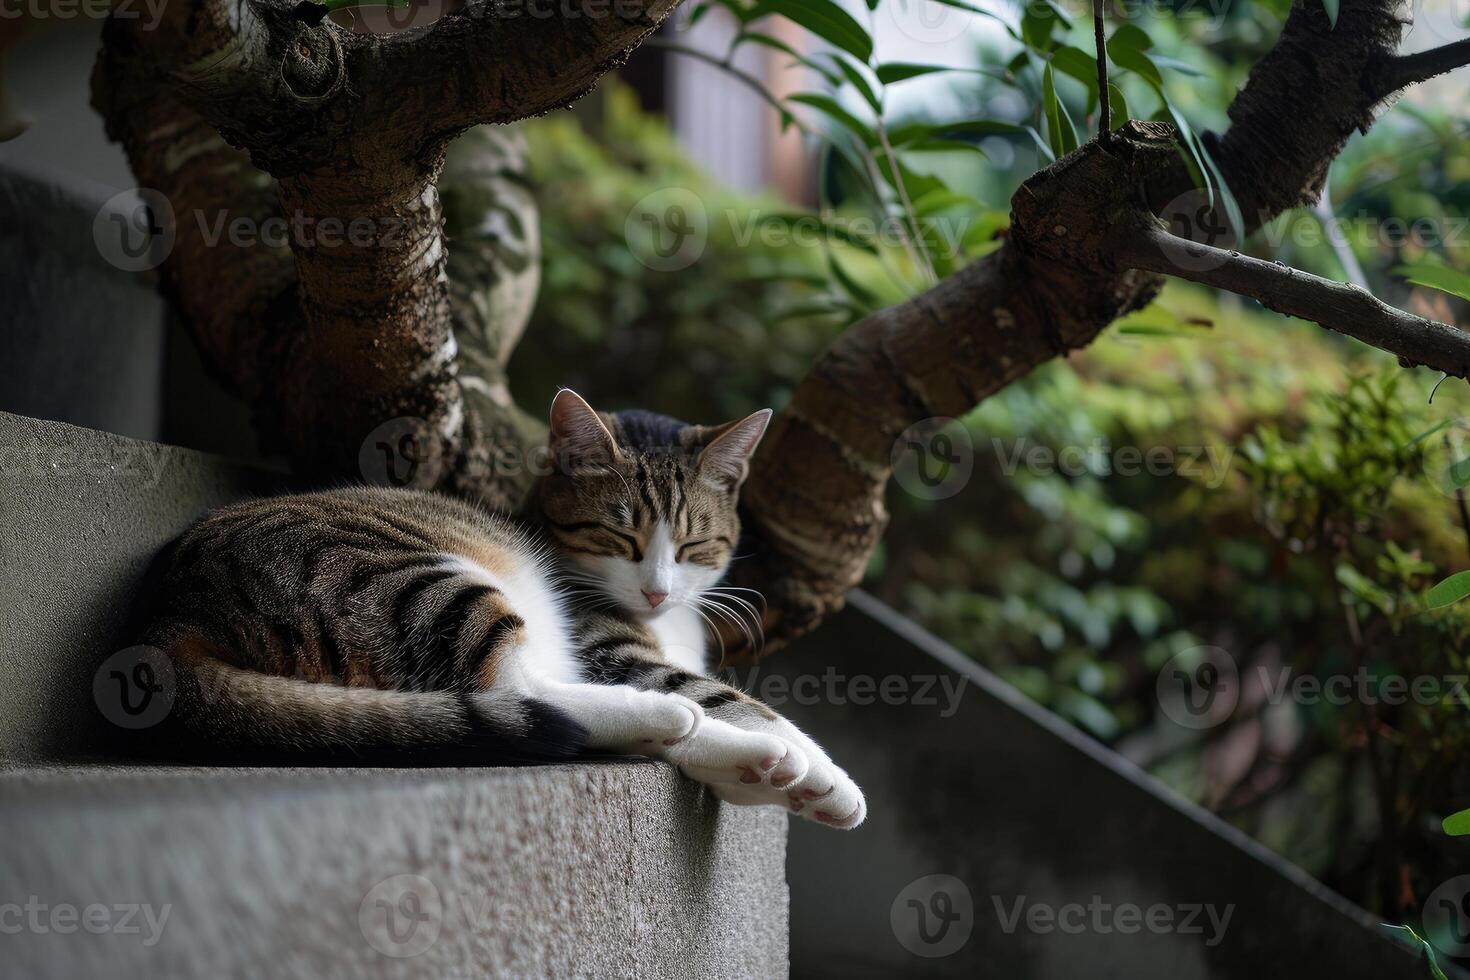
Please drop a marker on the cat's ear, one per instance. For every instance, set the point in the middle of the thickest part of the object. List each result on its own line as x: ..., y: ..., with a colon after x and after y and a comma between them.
x: 579, y: 440
x: 726, y: 459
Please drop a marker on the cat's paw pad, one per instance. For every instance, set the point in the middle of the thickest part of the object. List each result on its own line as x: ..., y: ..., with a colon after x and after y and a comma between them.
x: 828, y: 796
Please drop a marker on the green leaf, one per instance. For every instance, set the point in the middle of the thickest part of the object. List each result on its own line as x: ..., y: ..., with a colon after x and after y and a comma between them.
x: 832, y: 229
x: 899, y: 71
x: 1154, y: 321
x: 1037, y: 23
x: 1129, y: 36
x: 1436, y: 276
x: 830, y: 108
x: 1437, y: 427
x: 915, y: 132
x: 1182, y: 67
x: 858, y: 82
x: 1134, y: 60
x: 943, y: 200
x: 972, y: 8
x: 1449, y: 592
x: 1118, y: 104
x: 1458, y: 824
x: 826, y: 20
x: 1414, y: 939
x: 1080, y: 65
x: 858, y: 292
x: 1059, y: 129
x: 697, y: 14
x: 902, y: 71
x: 1459, y: 473
x: 1331, y: 7
x: 945, y: 146
x: 756, y: 37
x: 1213, y: 180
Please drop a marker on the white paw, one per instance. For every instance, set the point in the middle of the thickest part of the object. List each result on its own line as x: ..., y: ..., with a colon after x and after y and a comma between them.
x: 719, y: 753
x: 827, y: 795
x: 662, y: 721
x: 805, y: 782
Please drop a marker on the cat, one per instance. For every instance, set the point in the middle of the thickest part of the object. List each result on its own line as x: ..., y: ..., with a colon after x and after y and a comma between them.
x: 361, y: 619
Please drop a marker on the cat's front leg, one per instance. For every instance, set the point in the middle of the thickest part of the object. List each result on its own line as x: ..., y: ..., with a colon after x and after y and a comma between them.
x: 805, y: 780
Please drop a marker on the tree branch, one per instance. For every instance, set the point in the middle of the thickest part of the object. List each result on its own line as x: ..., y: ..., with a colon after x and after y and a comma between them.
x: 1347, y: 309
x: 1410, y: 69
x: 494, y: 61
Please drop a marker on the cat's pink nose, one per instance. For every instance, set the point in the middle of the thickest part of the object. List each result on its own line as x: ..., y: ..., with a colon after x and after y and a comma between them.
x: 654, y: 598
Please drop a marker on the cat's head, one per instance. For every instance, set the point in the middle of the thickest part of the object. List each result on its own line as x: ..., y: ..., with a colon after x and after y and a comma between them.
x: 644, y: 506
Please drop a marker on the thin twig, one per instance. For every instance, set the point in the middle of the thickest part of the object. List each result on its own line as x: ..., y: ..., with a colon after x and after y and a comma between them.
x: 750, y: 80
x: 926, y: 267
x: 1105, y: 120
x: 1275, y: 285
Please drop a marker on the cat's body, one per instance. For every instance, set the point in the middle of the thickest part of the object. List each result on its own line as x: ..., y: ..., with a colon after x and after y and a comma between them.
x: 366, y: 619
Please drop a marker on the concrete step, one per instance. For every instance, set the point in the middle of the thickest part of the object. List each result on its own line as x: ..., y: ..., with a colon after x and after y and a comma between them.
x: 608, y: 870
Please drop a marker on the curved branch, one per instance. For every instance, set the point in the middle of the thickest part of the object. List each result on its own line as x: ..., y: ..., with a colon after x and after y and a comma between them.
x: 1342, y: 307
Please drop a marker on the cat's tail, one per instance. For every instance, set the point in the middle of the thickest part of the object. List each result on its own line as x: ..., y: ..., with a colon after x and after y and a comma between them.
x: 247, y: 712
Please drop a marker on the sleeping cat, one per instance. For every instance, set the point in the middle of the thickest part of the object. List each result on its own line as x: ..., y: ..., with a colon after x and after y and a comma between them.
x: 375, y: 619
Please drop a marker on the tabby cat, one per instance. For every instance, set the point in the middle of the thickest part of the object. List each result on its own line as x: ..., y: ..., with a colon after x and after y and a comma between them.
x: 370, y: 619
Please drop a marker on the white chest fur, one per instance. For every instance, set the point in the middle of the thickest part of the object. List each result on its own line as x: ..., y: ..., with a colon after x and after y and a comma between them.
x: 681, y: 636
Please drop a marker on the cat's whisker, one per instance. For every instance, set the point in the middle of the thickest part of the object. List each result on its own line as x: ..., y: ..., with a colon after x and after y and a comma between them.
x: 729, y: 615
x: 743, y: 605
x: 723, y: 593
x: 712, y: 628
x: 719, y: 594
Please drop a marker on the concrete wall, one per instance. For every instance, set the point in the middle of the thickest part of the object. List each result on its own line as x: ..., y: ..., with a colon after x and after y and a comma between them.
x: 982, y: 804
x: 81, y: 341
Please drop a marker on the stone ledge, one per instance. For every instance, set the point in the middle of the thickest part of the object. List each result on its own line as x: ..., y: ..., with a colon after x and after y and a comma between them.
x: 617, y: 868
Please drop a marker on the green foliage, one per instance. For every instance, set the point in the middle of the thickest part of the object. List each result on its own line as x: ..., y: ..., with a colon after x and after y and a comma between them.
x: 1294, y: 519
x: 715, y: 340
